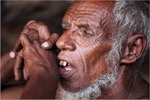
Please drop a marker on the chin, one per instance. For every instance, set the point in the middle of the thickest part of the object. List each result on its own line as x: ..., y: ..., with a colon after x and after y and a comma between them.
x: 69, y: 86
x: 70, y: 92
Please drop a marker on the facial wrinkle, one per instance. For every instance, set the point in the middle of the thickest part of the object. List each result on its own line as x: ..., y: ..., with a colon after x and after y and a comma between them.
x: 84, y: 70
x: 94, y: 16
x: 82, y: 11
x: 100, y: 19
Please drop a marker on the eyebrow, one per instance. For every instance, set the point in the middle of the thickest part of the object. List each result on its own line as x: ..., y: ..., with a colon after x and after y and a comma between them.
x: 64, y: 24
x: 84, y: 26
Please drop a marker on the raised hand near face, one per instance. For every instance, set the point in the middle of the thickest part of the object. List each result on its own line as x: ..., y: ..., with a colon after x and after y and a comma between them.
x: 43, y: 34
x: 34, y: 31
x: 41, y: 66
x: 34, y: 56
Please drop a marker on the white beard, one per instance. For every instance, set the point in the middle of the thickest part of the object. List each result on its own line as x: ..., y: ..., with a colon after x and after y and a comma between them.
x: 91, y: 92
x: 105, y: 80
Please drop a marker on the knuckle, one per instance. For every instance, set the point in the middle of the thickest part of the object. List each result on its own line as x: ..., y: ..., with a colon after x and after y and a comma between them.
x: 31, y: 21
x: 28, y: 23
x: 55, y: 35
x: 43, y: 28
x: 22, y: 36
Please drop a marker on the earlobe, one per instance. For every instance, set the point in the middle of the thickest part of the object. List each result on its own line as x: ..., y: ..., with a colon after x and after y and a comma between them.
x: 134, y: 48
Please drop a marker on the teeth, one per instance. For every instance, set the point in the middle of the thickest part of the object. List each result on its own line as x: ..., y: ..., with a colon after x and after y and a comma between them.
x: 63, y: 63
x: 67, y: 68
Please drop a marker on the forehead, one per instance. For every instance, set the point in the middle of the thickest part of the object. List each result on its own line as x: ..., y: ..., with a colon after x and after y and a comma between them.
x: 88, y: 11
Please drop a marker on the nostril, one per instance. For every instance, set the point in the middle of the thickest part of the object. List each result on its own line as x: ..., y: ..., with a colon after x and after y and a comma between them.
x: 70, y: 47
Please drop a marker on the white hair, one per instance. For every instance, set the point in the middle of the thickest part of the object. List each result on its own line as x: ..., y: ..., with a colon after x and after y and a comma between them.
x: 130, y: 17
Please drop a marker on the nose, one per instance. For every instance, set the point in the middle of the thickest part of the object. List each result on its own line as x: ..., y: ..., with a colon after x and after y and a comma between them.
x: 65, y: 42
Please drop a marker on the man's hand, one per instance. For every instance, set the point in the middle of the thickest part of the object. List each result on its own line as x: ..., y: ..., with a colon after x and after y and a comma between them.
x: 42, y: 69
x: 34, y: 56
x: 43, y: 34
x: 35, y: 31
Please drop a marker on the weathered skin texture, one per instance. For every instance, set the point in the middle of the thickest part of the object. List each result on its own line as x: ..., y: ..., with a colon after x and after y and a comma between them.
x: 84, y: 44
x: 84, y: 39
x: 90, y: 50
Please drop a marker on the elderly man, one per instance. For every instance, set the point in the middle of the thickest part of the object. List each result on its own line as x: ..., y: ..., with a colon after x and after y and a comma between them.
x: 100, y: 53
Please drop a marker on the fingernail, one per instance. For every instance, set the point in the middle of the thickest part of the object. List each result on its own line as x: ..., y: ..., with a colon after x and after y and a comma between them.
x: 12, y: 54
x: 45, y: 45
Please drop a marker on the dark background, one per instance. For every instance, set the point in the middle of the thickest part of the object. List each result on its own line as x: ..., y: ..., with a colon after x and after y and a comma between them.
x: 15, y: 14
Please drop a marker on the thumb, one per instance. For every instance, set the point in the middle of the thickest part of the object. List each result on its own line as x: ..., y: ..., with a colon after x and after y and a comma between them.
x: 48, y: 44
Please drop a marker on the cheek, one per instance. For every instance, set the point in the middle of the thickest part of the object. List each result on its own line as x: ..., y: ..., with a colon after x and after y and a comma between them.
x: 92, y: 54
x: 96, y: 63
x: 90, y: 68
x: 83, y: 41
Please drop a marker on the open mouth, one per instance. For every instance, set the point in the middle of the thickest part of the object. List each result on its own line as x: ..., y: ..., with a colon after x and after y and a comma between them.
x: 65, y: 69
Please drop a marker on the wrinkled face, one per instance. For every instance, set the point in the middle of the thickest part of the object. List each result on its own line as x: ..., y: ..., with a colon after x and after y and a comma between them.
x: 84, y: 45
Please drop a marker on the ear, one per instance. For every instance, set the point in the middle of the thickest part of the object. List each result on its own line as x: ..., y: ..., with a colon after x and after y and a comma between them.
x: 134, y: 48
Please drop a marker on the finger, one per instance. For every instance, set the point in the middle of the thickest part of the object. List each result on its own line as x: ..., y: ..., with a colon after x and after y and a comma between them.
x: 12, y: 54
x: 25, y: 30
x: 18, y: 45
x: 25, y: 74
x: 19, y: 60
x: 36, y: 45
x: 48, y: 44
x: 24, y: 40
x: 42, y: 29
x: 33, y: 35
x: 18, y: 66
x: 31, y: 21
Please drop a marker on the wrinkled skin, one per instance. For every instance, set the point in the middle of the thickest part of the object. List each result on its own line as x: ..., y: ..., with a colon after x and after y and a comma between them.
x: 44, y: 63
x: 38, y: 63
x: 40, y: 66
x: 35, y: 31
x: 84, y: 45
x: 84, y: 40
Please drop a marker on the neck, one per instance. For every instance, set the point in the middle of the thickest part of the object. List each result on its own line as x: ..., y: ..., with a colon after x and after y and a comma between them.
x: 128, y: 84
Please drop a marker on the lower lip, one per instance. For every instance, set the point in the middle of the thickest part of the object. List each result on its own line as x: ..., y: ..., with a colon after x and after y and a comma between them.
x: 64, y: 73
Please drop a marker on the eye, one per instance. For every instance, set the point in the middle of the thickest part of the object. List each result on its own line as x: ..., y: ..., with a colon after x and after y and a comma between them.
x: 85, y: 30
x: 87, y: 33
